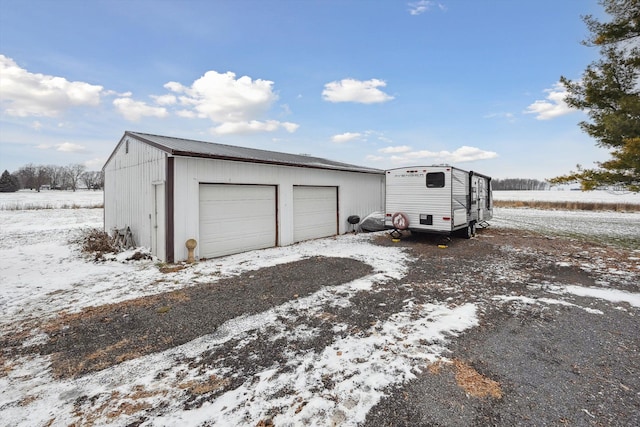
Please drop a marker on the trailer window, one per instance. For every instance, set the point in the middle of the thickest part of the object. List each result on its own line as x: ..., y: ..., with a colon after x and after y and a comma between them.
x: 435, y: 179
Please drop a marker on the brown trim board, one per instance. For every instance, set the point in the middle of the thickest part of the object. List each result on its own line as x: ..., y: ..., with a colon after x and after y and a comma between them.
x: 169, y: 210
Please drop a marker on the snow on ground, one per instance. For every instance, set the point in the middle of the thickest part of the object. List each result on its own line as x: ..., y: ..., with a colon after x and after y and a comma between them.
x: 620, y: 227
x: 42, y: 274
x: 31, y: 199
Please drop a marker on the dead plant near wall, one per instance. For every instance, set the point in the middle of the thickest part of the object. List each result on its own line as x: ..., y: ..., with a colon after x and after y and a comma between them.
x: 95, y: 240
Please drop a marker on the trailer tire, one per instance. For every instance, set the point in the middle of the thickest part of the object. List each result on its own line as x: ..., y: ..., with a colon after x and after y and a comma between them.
x: 470, y: 231
x: 400, y: 221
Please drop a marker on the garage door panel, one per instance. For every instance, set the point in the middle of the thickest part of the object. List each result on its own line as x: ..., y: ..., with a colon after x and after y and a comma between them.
x: 236, y: 218
x: 315, y: 212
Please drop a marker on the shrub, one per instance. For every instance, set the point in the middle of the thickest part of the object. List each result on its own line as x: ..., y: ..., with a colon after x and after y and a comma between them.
x: 95, y: 240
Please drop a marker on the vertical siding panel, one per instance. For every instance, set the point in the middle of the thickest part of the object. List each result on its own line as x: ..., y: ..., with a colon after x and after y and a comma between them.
x: 129, y: 190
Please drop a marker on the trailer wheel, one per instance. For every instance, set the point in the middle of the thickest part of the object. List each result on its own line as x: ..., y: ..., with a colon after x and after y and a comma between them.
x: 400, y: 221
x: 470, y: 231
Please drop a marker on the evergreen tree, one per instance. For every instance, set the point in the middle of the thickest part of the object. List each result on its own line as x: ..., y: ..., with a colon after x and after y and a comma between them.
x: 609, y: 92
x: 8, y: 183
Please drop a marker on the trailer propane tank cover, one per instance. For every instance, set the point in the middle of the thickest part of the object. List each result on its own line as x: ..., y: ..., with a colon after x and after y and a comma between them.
x: 400, y: 221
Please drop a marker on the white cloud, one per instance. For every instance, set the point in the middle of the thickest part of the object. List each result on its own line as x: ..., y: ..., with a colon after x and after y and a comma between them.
x: 135, y: 110
x: 95, y: 164
x: 65, y: 147
x: 422, y: 6
x: 460, y: 155
x: 25, y: 94
x: 68, y: 147
x: 345, y: 137
x: 237, y: 105
x: 396, y: 149
x: 222, y: 98
x: 253, y: 126
x: 187, y: 114
x: 554, y: 105
x: 290, y: 127
x: 164, y: 99
x: 351, y: 90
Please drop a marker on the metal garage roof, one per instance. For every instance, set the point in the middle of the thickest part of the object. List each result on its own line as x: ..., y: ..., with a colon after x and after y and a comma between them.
x: 192, y: 148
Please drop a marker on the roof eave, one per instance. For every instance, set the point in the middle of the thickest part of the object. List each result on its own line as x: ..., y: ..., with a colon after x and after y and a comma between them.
x: 181, y: 153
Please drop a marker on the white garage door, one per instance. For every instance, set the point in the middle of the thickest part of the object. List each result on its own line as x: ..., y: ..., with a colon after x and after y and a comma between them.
x: 236, y: 218
x: 315, y: 212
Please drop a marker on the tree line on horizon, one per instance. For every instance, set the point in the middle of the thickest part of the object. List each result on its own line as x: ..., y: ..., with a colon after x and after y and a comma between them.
x: 524, y: 184
x: 37, y: 177
x: 71, y: 177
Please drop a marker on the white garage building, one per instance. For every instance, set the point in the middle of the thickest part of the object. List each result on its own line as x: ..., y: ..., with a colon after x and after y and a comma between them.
x: 230, y: 199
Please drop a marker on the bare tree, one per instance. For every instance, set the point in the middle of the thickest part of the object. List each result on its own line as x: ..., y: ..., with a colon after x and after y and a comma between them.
x: 519, y: 184
x: 74, y: 172
x: 92, y: 179
x: 26, y: 175
x: 41, y: 176
x: 56, y: 175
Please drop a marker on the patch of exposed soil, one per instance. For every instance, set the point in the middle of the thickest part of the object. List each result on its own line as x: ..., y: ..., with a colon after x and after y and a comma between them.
x: 100, y: 337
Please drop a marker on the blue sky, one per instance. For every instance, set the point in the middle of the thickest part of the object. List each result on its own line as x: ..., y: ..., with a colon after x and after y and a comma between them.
x: 472, y: 83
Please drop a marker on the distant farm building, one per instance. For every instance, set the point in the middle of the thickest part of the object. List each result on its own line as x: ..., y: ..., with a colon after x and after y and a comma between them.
x: 229, y: 199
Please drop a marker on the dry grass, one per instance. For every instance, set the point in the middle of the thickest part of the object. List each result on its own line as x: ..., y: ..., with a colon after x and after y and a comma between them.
x: 115, y: 405
x: 580, y: 206
x: 95, y: 240
x: 212, y: 384
x: 474, y: 383
x: 471, y: 381
x: 165, y: 269
x: 39, y: 206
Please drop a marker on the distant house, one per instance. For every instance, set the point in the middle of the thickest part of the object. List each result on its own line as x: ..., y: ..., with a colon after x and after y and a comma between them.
x: 229, y: 199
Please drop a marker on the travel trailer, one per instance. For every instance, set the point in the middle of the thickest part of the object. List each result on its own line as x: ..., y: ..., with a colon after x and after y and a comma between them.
x: 437, y: 199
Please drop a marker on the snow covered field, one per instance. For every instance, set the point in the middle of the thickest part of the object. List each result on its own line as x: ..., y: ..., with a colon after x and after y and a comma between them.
x: 613, y: 227
x: 28, y: 199
x: 598, y: 196
x: 43, y: 274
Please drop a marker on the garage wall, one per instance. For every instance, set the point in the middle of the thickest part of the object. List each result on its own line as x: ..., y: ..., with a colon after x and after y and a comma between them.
x: 134, y: 196
x: 358, y: 193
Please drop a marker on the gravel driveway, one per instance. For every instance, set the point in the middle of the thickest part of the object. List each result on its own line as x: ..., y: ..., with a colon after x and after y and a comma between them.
x: 557, y: 364
x: 534, y: 358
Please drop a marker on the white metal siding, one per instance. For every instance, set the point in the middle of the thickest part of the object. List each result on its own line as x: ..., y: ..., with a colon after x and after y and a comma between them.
x: 358, y: 193
x: 315, y: 212
x: 407, y: 192
x: 236, y: 218
x: 129, y: 195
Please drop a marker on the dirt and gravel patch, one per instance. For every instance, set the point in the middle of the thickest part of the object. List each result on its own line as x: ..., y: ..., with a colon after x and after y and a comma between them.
x: 99, y: 337
x: 528, y: 362
x: 555, y: 364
